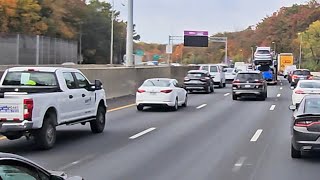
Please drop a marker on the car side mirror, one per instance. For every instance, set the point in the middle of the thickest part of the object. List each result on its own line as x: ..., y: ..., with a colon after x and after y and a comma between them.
x: 97, y: 84
x: 292, y: 107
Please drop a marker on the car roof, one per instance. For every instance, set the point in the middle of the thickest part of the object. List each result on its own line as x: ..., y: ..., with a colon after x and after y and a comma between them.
x: 158, y: 79
x: 198, y: 71
x: 45, y: 69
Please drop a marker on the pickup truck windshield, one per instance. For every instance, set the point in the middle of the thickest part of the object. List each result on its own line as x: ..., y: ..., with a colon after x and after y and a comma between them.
x: 30, y: 79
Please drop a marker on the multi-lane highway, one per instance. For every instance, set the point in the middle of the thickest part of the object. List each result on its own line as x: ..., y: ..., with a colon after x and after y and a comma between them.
x: 213, y: 138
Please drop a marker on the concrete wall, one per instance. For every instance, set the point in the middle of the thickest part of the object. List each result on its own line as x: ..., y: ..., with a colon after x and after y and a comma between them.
x: 122, y: 81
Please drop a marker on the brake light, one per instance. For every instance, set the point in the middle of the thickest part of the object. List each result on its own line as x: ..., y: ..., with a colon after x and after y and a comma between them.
x: 141, y: 91
x: 305, y: 123
x: 299, y: 92
x: 294, y: 77
x: 258, y: 81
x: 205, y: 79
x: 28, y: 108
x: 187, y: 79
x: 166, y: 91
x: 310, y: 78
x: 236, y: 81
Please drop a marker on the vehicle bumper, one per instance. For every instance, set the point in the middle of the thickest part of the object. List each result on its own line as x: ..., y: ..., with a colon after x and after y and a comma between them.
x: 304, y: 140
x: 13, y: 126
x: 196, y: 86
x: 154, y: 103
x: 248, y: 92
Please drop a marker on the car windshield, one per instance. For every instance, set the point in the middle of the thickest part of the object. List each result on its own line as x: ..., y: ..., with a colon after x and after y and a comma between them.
x: 156, y: 83
x: 205, y: 68
x: 312, y: 106
x: 248, y: 76
x: 301, y: 72
x: 30, y: 78
x: 311, y: 84
x: 196, y: 75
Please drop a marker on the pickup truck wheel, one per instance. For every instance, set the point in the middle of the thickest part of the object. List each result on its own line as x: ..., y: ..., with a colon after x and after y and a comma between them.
x: 97, y: 125
x: 46, y: 136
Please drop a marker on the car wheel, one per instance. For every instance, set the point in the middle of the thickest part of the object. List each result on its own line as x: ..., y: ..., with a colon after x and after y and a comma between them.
x: 46, y: 136
x: 97, y: 125
x: 176, y: 105
x: 185, y: 104
x: 220, y: 85
x: 234, y: 97
x: 266, y: 94
x: 212, y: 89
x: 224, y: 84
x: 295, y: 153
x: 208, y: 89
x: 140, y: 107
x: 262, y: 97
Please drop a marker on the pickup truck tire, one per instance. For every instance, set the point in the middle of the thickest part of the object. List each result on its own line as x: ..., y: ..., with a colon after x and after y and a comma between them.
x: 97, y: 125
x: 46, y: 136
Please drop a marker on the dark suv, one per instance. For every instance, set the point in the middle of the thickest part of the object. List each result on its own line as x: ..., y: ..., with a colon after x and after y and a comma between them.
x: 249, y: 83
x: 199, y: 80
x: 300, y: 74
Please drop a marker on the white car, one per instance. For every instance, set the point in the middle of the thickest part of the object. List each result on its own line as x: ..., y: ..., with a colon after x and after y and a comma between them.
x: 161, y: 92
x: 217, y: 72
x: 230, y: 74
x: 305, y: 87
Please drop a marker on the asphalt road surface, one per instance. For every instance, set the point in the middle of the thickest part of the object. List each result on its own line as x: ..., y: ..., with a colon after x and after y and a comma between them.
x: 213, y: 138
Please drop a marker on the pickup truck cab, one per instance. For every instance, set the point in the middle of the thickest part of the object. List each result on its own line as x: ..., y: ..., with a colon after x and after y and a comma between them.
x: 217, y: 72
x: 34, y: 100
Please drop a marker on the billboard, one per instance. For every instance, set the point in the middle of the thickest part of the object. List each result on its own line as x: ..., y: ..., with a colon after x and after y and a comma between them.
x: 196, y: 38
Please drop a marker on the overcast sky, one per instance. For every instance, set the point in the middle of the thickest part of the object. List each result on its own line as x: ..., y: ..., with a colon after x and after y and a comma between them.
x: 157, y: 19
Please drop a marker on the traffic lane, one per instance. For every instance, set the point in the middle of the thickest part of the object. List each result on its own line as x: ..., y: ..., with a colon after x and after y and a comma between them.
x: 190, y: 148
x: 121, y: 125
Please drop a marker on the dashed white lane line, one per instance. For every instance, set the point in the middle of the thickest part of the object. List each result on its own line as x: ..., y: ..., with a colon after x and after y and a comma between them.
x: 202, y: 106
x: 238, y: 164
x: 272, y: 107
x: 142, y: 133
x: 281, y: 88
x: 227, y: 94
x: 278, y: 95
x: 256, y: 136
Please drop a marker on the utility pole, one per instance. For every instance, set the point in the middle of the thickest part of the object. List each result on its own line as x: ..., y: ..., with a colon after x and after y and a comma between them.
x: 300, y: 54
x: 112, y: 31
x: 129, y: 49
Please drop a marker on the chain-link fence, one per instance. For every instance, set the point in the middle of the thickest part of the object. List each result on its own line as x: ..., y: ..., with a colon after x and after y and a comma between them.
x: 36, y: 50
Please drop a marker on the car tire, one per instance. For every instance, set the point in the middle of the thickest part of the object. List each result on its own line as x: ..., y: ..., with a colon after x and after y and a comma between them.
x: 98, y: 125
x: 208, y: 89
x: 176, y: 105
x: 266, y: 94
x: 234, y: 97
x: 185, y: 104
x: 224, y: 84
x: 262, y: 97
x: 212, y: 88
x: 140, y: 107
x: 45, y: 137
x: 295, y: 153
x: 220, y: 85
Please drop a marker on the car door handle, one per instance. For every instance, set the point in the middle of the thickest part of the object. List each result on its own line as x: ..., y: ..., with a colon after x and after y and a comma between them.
x: 83, y: 95
x: 70, y: 96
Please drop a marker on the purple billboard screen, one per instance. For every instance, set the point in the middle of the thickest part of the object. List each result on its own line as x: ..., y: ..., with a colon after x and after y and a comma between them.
x: 196, y: 41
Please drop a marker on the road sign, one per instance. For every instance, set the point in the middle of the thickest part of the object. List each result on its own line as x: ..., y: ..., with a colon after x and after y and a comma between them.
x: 169, y: 49
x: 218, y: 39
x: 196, y: 38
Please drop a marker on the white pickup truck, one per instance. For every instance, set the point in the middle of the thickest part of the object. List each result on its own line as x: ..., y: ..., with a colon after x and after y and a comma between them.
x: 34, y: 100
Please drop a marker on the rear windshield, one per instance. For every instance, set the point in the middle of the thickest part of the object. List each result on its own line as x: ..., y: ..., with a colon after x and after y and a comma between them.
x: 310, y: 84
x: 213, y: 69
x: 30, y: 79
x: 301, y: 72
x: 196, y: 75
x: 248, y: 76
x: 312, y: 106
x: 263, y: 52
x: 156, y: 83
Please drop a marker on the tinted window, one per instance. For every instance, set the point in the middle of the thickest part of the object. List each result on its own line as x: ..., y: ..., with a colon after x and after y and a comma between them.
x: 156, y: 83
x: 30, y: 79
x: 70, y: 82
x: 213, y: 69
x: 302, y: 72
x: 82, y: 81
x: 312, y: 106
x: 248, y: 76
x: 310, y: 84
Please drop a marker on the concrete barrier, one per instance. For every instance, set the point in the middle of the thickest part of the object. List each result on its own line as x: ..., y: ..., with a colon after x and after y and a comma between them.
x: 122, y: 81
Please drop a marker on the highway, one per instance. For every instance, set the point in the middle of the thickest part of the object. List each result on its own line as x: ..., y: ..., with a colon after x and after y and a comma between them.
x: 213, y: 138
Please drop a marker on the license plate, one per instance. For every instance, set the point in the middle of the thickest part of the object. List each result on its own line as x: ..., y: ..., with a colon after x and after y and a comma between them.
x: 9, y: 109
x: 194, y: 82
x: 247, y: 86
x: 153, y: 93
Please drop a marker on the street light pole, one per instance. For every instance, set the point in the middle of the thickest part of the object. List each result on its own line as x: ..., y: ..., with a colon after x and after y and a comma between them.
x: 112, y: 31
x: 300, y: 54
x: 129, y: 48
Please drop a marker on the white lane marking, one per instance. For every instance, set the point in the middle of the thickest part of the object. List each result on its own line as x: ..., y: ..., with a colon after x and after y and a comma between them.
x: 142, y: 133
x: 227, y: 94
x: 281, y: 84
x: 202, y: 106
x: 238, y: 164
x: 76, y: 162
x: 281, y: 88
x: 278, y: 95
x: 272, y: 107
x: 256, y: 136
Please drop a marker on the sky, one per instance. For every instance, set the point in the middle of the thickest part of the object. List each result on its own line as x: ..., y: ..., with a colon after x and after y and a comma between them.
x: 157, y: 19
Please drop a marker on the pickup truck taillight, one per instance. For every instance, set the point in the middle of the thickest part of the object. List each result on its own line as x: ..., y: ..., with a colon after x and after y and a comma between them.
x: 27, y: 109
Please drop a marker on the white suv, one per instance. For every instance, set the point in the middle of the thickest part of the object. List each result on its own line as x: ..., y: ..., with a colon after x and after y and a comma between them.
x: 217, y: 72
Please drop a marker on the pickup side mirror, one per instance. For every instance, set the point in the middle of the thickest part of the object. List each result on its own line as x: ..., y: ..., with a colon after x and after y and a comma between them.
x: 97, y: 84
x: 292, y: 107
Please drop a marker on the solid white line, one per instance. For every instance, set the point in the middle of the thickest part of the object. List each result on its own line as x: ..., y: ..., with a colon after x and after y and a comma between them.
x: 202, y: 106
x: 272, y: 107
x: 256, y: 135
x: 238, y: 164
x: 227, y: 94
x: 278, y: 95
x: 281, y: 88
x: 142, y: 133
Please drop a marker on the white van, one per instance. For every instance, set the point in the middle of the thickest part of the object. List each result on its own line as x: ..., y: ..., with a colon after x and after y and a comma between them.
x: 217, y: 72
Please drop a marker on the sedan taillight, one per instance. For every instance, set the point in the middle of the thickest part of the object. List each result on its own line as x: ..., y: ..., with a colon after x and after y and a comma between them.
x: 166, y: 91
x: 299, y: 91
x: 305, y: 123
x: 141, y: 91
